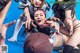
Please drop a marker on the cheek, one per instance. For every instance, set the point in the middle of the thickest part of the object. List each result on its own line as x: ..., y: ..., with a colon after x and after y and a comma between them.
x: 43, y: 17
x: 33, y: 1
x: 40, y: 2
x: 35, y: 18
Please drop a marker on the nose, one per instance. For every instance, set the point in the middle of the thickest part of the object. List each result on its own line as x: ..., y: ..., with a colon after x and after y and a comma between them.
x: 39, y: 16
x: 37, y: 1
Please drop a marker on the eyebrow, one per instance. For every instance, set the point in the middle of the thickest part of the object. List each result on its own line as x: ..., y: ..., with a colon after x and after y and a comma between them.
x: 41, y: 13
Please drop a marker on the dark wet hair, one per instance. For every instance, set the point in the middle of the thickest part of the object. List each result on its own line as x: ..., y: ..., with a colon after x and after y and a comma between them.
x: 59, y: 9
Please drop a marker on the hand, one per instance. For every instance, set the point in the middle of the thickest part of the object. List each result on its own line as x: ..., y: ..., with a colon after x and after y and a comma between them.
x: 32, y: 23
x: 28, y: 22
x: 69, y: 23
x: 4, y: 28
x: 55, y: 19
x: 55, y: 24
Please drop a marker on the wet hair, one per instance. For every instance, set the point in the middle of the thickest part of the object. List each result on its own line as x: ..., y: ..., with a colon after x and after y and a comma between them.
x: 43, y: 2
x: 40, y: 10
x: 1, y: 37
x: 58, y: 11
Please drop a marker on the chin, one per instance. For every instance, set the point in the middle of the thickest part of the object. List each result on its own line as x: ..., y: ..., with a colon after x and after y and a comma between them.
x: 37, y: 6
x: 40, y: 23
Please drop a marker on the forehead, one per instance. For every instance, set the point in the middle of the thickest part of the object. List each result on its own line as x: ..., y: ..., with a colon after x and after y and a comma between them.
x: 39, y: 12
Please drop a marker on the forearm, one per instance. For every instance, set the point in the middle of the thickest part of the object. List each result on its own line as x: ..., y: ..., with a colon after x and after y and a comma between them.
x: 3, y: 31
x: 27, y: 13
x: 4, y: 12
x: 64, y: 31
x: 74, y: 40
x: 68, y: 21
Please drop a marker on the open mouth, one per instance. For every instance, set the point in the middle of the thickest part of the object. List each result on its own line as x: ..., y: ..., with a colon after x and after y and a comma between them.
x: 37, y: 4
x: 38, y: 21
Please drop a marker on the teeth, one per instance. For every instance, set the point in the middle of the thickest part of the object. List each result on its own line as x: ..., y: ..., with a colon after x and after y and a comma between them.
x: 39, y: 20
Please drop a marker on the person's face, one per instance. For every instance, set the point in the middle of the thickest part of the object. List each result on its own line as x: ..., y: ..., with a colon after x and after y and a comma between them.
x: 37, y: 3
x: 40, y: 17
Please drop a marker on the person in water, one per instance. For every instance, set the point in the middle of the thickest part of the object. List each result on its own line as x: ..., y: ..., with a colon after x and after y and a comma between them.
x: 48, y: 27
x: 29, y: 7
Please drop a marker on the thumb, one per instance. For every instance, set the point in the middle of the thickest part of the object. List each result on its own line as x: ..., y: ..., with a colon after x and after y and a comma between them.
x: 33, y: 24
x: 11, y: 23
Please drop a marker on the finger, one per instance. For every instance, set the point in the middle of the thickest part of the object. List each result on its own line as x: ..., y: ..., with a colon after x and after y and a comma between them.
x: 51, y: 25
x: 33, y: 25
x: 11, y: 23
x: 57, y: 29
x: 49, y: 22
x: 26, y: 24
x: 54, y: 18
x: 23, y: 22
x: 29, y: 25
x: 71, y: 29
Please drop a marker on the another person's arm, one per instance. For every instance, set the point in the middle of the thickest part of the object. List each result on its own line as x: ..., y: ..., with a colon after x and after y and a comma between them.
x: 27, y: 14
x: 3, y: 29
x: 4, y: 12
x: 68, y: 20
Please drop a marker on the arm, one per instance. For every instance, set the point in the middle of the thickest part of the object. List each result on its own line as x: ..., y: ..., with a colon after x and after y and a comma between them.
x: 64, y: 31
x: 68, y: 20
x: 27, y: 14
x: 4, y: 28
x: 4, y: 12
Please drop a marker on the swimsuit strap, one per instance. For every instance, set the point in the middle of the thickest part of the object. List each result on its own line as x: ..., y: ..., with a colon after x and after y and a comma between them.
x: 76, y: 26
x: 74, y: 20
x: 62, y: 40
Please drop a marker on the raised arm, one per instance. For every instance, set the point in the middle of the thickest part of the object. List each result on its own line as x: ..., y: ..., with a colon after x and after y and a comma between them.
x: 27, y: 14
x: 4, y: 12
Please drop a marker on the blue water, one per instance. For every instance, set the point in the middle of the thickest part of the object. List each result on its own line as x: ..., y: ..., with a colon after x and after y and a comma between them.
x: 13, y: 14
